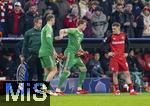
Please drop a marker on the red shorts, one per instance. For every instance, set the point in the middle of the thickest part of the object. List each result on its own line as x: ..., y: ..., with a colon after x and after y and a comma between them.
x: 118, y: 64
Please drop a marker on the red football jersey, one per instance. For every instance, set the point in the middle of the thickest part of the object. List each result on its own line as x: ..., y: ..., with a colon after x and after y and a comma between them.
x: 117, y: 44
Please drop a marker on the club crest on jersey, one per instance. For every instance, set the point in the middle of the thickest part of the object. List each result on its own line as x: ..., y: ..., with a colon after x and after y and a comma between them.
x: 123, y: 37
x: 114, y: 38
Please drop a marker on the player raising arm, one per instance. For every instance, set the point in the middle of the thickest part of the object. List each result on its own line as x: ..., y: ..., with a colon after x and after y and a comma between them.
x: 72, y: 53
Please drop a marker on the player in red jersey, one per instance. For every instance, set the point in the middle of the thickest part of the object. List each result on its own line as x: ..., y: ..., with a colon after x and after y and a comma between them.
x: 117, y: 47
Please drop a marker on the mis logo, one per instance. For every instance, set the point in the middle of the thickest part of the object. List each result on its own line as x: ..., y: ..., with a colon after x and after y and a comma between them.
x: 24, y: 90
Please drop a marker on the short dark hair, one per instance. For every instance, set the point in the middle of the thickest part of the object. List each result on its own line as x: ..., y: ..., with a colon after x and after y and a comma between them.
x: 49, y: 17
x: 36, y: 19
x: 81, y: 21
x: 117, y: 24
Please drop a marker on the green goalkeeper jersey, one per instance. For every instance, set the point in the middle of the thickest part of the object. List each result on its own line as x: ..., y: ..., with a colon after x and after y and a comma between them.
x: 75, y: 39
x: 47, y: 47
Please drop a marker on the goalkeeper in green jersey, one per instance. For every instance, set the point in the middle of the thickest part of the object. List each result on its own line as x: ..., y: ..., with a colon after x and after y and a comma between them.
x: 47, y: 52
x: 72, y: 54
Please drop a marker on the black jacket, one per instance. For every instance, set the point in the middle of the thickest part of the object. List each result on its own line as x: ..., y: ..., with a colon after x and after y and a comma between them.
x: 29, y: 18
x: 10, y: 23
x: 129, y: 17
x: 32, y: 42
x: 133, y: 64
x: 140, y: 26
x: 118, y: 17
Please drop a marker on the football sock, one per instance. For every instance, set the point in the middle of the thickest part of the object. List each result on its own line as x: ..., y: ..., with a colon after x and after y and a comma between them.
x: 63, y: 77
x: 82, y: 76
x: 47, y: 83
x: 131, y: 87
x: 116, y: 87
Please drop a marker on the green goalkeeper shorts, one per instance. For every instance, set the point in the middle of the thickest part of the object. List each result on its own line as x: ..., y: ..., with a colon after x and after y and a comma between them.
x: 72, y: 60
x: 48, y: 62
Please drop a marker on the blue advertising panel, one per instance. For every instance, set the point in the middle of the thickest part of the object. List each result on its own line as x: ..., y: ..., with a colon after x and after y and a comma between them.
x: 92, y: 85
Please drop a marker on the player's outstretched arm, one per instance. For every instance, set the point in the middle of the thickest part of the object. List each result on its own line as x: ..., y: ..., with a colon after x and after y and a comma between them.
x: 62, y: 34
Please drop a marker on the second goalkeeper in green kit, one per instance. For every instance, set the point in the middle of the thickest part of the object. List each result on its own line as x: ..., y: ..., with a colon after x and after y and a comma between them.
x: 47, y: 52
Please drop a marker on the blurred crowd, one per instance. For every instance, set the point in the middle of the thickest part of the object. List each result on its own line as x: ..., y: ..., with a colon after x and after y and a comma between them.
x: 97, y: 64
x: 134, y: 16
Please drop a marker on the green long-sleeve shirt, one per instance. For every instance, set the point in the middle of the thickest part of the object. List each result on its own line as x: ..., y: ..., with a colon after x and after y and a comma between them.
x: 47, y: 47
x: 32, y: 42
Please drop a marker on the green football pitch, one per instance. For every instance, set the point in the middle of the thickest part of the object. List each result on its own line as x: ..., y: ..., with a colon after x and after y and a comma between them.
x: 101, y: 100
x: 86, y: 100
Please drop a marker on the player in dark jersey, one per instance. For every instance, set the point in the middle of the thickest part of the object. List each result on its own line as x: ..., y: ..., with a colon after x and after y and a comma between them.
x: 117, y: 46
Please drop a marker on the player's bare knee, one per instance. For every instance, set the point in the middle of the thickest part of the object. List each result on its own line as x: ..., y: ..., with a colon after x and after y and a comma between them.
x: 83, y: 69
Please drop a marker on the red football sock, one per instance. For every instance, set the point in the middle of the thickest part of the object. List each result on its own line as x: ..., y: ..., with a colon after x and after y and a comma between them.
x: 131, y: 87
x: 116, y: 87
